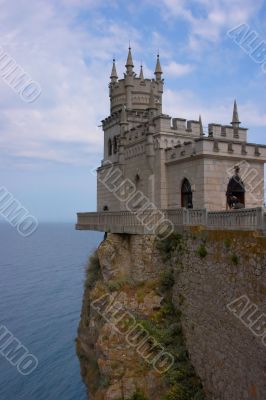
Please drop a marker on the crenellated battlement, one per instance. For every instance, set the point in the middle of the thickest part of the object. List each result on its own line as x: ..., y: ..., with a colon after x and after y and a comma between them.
x: 214, y: 147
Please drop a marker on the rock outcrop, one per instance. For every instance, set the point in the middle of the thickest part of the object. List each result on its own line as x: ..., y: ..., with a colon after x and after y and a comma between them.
x: 155, y: 322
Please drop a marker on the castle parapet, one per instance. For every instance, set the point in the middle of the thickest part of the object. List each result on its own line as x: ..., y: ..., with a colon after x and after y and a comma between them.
x: 228, y: 132
x: 213, y: 146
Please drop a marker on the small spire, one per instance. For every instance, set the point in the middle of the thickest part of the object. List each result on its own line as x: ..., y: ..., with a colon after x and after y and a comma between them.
x: 113, y: 76
x: 152, y: 105
x: 129, y: 64
x: 123, y: 117
x: 201, y: 126
x: 235, y: 120
x: 158, y: 69
x: 141, y: 76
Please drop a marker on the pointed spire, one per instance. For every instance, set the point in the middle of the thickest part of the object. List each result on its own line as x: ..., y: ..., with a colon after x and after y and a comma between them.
x: 201, y: 126
x: 129, y: 64
x: 123, y: 117
x: 113, y: 76
x: 158, y: 69
x: 141, y: 76
x: 235, y: 120
x: 152, y: 105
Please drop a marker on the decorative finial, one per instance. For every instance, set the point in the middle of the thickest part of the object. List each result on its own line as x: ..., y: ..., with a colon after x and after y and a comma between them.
x: 201, y: 126
x: 141, y: 75
x: 235, y: 120
x: 129, y: 63
x: 113, y: 76
x: 158, y: 69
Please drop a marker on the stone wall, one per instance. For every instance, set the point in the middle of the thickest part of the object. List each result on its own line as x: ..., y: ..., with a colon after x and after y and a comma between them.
x: 202, y: 273
x: 226, y: 354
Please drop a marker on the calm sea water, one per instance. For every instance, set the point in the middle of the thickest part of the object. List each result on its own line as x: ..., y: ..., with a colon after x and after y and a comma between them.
x: 41, y: 288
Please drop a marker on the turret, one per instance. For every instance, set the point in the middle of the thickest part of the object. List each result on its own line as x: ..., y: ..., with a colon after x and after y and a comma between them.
x: 235, y: 120
x: 113, y: 76
x: 129, y: 64
x: 129, y: 77
x: 158, y: 69
x: 201, y: 126
x: 141, y: 75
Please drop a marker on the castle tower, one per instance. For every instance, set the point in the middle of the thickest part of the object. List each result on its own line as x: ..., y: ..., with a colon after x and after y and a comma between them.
x: 133, y: 90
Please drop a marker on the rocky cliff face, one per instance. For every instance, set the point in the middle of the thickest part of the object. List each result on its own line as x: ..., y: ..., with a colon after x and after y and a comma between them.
x: 155, y: 318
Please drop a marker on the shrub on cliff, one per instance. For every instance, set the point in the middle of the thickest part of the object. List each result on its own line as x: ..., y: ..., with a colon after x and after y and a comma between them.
x: 138, y: 395
x: 167, y: 246
x: 167, y: 280
x: 93, y: 271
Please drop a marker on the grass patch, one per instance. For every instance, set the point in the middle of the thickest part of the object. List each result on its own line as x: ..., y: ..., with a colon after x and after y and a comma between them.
x: 227, y: 243
x: 202, y: 251
x: 116, y: 284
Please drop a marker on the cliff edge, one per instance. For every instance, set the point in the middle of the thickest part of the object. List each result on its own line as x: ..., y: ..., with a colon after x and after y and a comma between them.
x: 163, y: 320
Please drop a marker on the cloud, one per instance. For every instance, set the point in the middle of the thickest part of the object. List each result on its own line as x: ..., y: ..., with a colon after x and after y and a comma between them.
x: 208, y: 19
x: 185, y: 104
x: 72, y: 64
x: 175, y: 69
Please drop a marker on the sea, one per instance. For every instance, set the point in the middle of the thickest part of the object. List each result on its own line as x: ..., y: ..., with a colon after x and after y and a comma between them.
x: 41, y: 289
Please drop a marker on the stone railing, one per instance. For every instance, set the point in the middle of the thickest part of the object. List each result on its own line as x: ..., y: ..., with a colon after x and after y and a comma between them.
x: 153, y: 220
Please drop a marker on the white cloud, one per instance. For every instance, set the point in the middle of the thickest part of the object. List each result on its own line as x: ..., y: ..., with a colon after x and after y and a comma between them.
x: 175, y: 69
x: 209, y: 19
x: 185, y: 104
x: 72, y: 64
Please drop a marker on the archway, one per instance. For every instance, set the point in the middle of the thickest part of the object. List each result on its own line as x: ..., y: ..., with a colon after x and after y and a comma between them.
x: 235, y: 194
x: 186, y: 194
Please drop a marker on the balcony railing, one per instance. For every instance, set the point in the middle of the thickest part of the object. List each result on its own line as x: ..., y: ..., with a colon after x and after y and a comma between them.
x: 153, y: 221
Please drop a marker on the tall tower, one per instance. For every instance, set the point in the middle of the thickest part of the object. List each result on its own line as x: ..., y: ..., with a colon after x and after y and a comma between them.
x: 132, y: 90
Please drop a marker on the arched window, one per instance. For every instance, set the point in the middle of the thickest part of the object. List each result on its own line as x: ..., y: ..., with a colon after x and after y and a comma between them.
x: 235, y: 193
x: 186, y: 194
x: 115, y: 145
x: 109, y: 147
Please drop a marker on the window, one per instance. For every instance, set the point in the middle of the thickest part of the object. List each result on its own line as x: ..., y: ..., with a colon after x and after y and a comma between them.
x: 186, y: 194
x: 109, y: 147
x: 115, y: 145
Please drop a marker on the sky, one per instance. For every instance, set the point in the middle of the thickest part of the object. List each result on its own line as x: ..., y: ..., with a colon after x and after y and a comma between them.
x: 49, y: 146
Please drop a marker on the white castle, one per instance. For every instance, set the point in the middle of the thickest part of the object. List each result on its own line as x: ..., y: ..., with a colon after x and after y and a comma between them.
x: 159, y: 167
x: 171, y: 160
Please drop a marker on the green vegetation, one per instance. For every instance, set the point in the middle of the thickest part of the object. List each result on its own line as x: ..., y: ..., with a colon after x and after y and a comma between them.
x: 166, y: 327
x: 93, y: 272
x: 167, y: 280
x: 175, y: 242
x: 181, y: 379
x: 202, y: 251
x: 116, y: 284
x: 227, y: 243
x: 138, y: 395
x: 234, y: 259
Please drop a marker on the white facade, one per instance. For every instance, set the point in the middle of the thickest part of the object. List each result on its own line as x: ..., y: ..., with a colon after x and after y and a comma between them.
x: 170, y: 161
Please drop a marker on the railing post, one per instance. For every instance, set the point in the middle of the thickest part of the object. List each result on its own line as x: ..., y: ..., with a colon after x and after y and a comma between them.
x: 260, y: 218
x: 185, y: 216
x: 204, y: 217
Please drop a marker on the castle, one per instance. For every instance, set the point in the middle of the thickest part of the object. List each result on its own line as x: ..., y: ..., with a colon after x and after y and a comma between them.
x: 172, y: 162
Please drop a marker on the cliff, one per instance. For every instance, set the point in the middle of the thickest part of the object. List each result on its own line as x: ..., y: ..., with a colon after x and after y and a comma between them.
x: 172, y: 319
